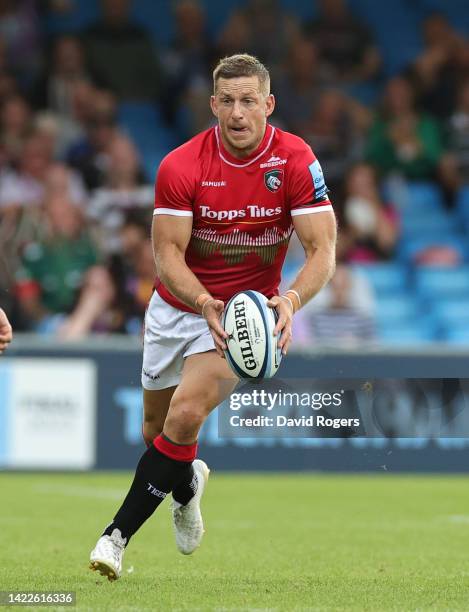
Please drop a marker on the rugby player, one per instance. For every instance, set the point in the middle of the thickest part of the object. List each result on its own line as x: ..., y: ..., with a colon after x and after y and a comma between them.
x: 226, y: 203
x: 6, y: 332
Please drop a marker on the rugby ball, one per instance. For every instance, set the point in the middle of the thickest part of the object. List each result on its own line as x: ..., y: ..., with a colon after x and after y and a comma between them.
x: 252, y: 350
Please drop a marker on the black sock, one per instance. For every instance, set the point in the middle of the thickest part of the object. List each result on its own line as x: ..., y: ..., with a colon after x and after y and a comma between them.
x: 185, y: 490
x: 155, y: 476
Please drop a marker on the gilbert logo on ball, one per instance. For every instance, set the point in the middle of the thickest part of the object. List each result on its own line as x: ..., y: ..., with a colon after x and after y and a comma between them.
x: 252, y: 350
x: 273, y: 180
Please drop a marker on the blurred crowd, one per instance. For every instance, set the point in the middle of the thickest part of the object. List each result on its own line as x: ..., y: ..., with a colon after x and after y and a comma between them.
x: 76, y: 200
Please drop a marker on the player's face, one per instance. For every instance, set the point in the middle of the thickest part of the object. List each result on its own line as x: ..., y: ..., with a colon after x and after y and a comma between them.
x: 242, y: 109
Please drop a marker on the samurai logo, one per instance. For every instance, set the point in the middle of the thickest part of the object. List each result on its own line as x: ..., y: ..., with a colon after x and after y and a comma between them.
x: 273, y: 180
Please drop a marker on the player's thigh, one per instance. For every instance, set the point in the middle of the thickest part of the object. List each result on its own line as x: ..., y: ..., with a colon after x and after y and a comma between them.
x: 206, y: 381
x: 155, y: 408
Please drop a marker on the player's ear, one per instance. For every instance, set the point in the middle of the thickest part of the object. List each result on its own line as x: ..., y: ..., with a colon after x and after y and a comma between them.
x: 269, y: 105
x: 213, y: 105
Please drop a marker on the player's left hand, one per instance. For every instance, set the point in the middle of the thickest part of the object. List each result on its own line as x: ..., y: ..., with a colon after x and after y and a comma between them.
x: 284, y: 323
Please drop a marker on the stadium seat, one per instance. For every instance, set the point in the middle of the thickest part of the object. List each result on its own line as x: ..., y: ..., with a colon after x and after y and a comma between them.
x: 442, y: 282
x: 150, y: 161
x: 145, y: 126
x: 402, y: 308
x: 457, y: 336
x: 424, y: 196
x: 462, y: 205
x: 139, y: 112
x: 385, y: 278
x: 156, y: 17
x: 430, y: 224
x: 404, y: 19
x: 451, y: 313
x: 79, y: 16
x: 408, y: 335
x: 409, y: 247
x: 217, y: 14
x: 455, y: 10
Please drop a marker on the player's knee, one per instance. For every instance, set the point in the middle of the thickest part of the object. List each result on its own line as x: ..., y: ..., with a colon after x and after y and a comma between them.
x: 185, y: 418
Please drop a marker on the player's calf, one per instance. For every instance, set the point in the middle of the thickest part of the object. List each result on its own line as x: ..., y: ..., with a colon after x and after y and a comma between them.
x: 162, y: 466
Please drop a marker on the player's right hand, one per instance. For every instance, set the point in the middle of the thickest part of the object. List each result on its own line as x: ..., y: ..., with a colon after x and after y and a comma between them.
x: 212, y: 311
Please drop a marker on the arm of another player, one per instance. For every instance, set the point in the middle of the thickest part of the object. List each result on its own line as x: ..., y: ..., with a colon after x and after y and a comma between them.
x: 317, y: 233
x: 6, y: 332
x: 170, y: 236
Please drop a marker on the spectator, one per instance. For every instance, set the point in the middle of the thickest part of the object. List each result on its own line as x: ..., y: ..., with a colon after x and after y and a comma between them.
x: 21, y: 196
x: 24, y: 187
x: 57, y: 135
x: 455, y: 165
x: 63, y: 182
x: 15, y: 123
x: 54, y: 267
x: 120, y: 55
x: 188, y: 60
x: 124, y: 190
x: 8, y: 84
x: 89, y: 155
x: 115, y: 299
x: 19, y: 29
x: 55, y: 91
x: 133, y: 270
x: 371, y: 226
x: 263, y: 29
x: 272, y: 31
x: 187, y: 68
x: 298, y: 90
x: 403, y: 139
x: 8, y: 87
x: 436, y: 72
x: 341, y: 315
x: 65, y: 130
x: 335, y: 131
x: 235, y: 35
x: 93, y: 312
x: 345, y: 45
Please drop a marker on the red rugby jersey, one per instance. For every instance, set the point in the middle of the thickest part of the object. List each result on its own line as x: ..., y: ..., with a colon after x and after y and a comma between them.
x: 241, y: 209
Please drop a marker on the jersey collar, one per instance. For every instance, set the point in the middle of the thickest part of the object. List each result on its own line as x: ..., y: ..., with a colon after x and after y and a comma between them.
x: 255, y: 155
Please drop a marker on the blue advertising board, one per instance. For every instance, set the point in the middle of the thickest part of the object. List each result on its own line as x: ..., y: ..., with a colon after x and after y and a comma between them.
x: 119, y: 441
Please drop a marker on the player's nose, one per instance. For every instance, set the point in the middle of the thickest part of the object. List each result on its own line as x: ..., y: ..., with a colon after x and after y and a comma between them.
x: 237, y: 112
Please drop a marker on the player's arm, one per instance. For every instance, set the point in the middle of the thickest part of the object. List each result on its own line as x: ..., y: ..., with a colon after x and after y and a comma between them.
x: 314, y: 222
x: 317, y: 233
x: 6, y: 332
x: 170, y: 237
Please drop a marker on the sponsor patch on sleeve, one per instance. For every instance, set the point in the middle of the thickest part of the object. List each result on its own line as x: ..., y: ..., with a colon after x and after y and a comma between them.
x: 320, y: 188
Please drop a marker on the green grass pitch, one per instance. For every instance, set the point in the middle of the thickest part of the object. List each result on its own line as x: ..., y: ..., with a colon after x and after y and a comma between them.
x: 273, y: 542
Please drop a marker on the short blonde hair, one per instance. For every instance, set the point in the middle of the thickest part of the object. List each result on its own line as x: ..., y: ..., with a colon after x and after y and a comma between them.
x: 242, y: 65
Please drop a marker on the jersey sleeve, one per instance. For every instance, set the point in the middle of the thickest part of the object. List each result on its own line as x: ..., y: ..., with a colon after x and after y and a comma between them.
x: 308, y: 192
x: 174, y: 188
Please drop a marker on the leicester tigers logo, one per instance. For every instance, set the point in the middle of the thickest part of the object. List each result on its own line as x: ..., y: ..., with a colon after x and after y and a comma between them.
x: 273, y: 180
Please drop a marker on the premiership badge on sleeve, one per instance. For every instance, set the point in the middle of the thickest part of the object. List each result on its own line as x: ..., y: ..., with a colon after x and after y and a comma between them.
x: 273, y: 180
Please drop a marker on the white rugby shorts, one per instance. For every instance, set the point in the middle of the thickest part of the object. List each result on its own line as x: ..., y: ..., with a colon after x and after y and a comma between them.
x: 170, y: 336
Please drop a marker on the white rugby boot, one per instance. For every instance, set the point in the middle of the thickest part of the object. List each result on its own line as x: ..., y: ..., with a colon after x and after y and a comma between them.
x: 106, y: 557
x: 187, y: 520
